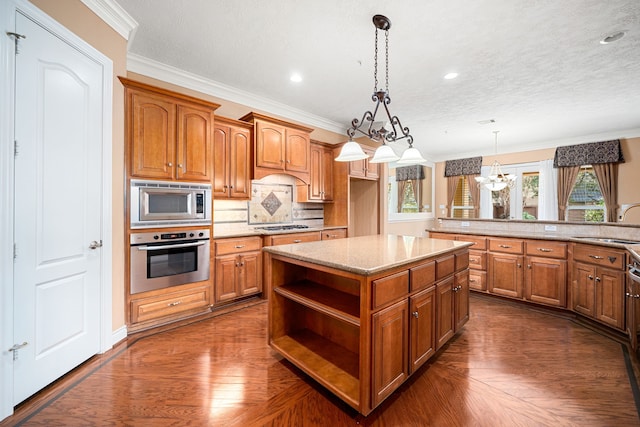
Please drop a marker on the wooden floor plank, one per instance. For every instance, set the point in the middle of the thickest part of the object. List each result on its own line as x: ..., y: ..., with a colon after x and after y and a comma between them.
x: 510, y: 366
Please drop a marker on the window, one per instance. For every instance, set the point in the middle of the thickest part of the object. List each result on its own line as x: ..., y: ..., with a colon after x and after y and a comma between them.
x: 586, y: 203
x: 462, y: 202
x: 411, y: 199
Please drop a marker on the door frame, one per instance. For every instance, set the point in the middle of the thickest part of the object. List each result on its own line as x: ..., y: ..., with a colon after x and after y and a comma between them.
x: 8, y: 9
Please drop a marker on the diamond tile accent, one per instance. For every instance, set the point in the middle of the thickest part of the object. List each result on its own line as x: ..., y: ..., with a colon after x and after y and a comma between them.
x: 271, y: 203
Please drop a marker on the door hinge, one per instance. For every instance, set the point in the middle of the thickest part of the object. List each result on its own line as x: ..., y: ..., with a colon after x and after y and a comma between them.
x: 15, y: 251
x: 15, y: 148
x: 16, y: 39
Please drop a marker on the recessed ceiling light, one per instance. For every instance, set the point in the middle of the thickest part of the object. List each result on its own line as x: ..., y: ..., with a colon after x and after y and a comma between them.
x: 613, y: 37
x: 296, y: 78
x: 486, y: 122
x: 451, y: 76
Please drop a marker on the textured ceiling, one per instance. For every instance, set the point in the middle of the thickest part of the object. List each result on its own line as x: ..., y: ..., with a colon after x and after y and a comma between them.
x: 534, y: 66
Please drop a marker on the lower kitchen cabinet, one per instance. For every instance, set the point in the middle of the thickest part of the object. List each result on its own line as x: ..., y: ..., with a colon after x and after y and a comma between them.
x: 546, y: 281
x: 238, y: 268
x: 390, y: 345
x: 150, y: 308
x: 445, y: 323
x: 422, y: 323
x: 461, y: 300
x: 286, y: 239
x: 334, y: 233
x: 505, y: 274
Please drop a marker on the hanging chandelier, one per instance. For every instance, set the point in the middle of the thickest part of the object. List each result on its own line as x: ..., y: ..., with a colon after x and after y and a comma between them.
x: 496, y: 180
x: 367, y: 125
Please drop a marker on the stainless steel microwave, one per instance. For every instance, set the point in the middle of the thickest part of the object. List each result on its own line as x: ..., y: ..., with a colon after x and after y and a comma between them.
x: 169, y: 204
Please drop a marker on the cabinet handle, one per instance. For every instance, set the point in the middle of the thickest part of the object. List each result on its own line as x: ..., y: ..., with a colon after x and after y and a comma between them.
x: 173, y: 304
x: 241, y: 263
x: 231, y: 186
x: 239, y: 246
x: 597, y: 279
x: 472, y: 280
x: 545, y: 250
x: 590, y: 277
x: 529, y: 266
x: 628, y: 294
x: 474, y: 260
x: 170, y: 164
x: 224, y: 188
x: 415, y: 314
x: 519, y: 265
x: 596, y: 257
x: 504, y: 246
x: 180, y: 165
x: 297, y: 241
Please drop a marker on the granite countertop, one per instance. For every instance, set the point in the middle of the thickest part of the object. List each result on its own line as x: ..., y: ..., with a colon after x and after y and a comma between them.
x: 259, y: 232
x: 367, y: 255
x: 541, y: 236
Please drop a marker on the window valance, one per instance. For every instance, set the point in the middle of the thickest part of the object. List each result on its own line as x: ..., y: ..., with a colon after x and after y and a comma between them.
x: 589, y: 154
x: 407, y: 173
x: 468, y: 166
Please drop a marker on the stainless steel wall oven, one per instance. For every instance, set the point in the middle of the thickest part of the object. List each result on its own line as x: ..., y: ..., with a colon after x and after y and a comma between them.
x: 168, y: 258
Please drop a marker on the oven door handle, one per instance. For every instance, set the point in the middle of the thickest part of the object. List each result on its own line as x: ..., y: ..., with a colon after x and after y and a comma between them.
x: 179, y: 245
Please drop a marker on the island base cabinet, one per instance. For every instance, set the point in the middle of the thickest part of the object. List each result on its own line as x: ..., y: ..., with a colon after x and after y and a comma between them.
x: 445, y: 323
x: 422, y: 327
x: 390, y: 360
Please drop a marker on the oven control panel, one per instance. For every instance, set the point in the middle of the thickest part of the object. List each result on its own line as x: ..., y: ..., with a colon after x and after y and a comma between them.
x: 169, y: 236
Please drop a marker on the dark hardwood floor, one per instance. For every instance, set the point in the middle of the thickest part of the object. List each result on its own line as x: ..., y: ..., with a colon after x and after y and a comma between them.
x: 510, y: 366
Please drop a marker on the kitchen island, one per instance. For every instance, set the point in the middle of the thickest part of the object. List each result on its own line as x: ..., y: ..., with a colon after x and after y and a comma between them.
x: 360, y: 315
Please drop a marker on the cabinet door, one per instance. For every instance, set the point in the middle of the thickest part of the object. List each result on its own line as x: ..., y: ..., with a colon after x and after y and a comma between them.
x: 390, y: 345
x: 226, y: 271
x: 315, y: 172
x: 610, y: 297
x: 372, y: 169
x: 583, y: 291
x: 422, y: 327
x: 221, y: 138
x: 327, y: 174
x: 461, y: 300
x: 357, y: 168
x: 444, y: 312
x: 194, y: 144
x: 505, y: 275
x: 240, y: 162
x: 297, y: 151
x: 270, y: 143
x: 152, y: 129
x: 250, y: 273
x: 546, y: 281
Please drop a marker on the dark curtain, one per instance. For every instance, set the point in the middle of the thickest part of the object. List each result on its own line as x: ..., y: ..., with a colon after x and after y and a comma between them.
x: 566, y: 180
x: 607, y: 174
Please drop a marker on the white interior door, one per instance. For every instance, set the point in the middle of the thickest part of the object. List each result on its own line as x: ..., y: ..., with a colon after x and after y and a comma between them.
x: 58, y: 208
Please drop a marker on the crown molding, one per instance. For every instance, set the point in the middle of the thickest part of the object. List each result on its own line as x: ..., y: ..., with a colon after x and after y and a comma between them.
x: 115, y: 16
x: 157, y: 70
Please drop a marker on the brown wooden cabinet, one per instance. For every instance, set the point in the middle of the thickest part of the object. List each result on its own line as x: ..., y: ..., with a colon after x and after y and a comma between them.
x: 334, y: 233
x: 286, y: 239
x: 320, y: 188
x: 445, y: 323
x: 168, y: 135
x: 460, y: 299
x: 232, y: 148
x: 505, y: 267
x: 598, y: 286
x: 422, y: 343
x: 364, y: 168
x: 279, y: 147
x: 238, y: 268
x: 390, y: 344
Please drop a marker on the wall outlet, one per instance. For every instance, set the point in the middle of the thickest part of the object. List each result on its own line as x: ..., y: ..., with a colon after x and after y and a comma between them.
x: 550, y: 228
x: 464, y: 224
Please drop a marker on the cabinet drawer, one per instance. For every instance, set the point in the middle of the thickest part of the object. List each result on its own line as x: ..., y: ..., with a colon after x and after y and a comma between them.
x: 444, y: 236
x: 165, y: 305
x: 285, y: 239
x: 548, y: 249
x: 479, y: 243
x: 478, y: 280
x: 478, y: 260
x: 234, y: 246
x: 462, y: 260
x: 390, y: 288
x: 422, y: 275
x: 339, y: 233
x: 509, y: 246
x: 445, y: 266
x: 599, y: 255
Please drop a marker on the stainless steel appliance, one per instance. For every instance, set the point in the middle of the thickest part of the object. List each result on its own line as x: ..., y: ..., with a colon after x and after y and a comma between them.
x: 169, y: 258
x: 633, y: 305
x: 168, y: 204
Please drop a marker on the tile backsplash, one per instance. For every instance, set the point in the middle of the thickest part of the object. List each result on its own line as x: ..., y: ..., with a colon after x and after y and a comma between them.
x: 272, y: 202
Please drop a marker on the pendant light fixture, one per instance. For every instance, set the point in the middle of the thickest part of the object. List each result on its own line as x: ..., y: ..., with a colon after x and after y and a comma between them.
x: 496, y: 180
x: 367, y: 125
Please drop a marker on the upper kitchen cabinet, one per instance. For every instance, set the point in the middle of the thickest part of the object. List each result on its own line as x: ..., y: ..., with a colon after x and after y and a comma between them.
x: 232, y: 147
x: 169, y: 135
x: 363, y: 168
x: 280, y: 147
x: 320, y: 186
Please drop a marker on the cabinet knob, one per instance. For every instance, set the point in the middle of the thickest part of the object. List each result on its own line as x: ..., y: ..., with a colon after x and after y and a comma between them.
x: 180, y: 165
x: 224, y: 188
x: 170, y: 164
x: 597, y: 279
x: 415, y: 314
x: 519, y: 265
x: 529, y: 266
x: 590, y: 277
